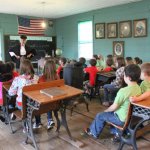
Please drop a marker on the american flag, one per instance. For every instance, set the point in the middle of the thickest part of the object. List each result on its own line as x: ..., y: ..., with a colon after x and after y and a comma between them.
x: 30, y: 26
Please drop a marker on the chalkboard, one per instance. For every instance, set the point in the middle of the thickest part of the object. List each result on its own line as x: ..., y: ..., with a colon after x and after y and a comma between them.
x: 40, y: 44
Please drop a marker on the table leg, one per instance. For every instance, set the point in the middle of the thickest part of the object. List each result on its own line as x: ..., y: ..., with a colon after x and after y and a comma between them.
x: 63, y: 119
x: 31, y: 107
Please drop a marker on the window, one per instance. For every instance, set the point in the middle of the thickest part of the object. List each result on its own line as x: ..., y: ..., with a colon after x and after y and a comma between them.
x: 85, y: 39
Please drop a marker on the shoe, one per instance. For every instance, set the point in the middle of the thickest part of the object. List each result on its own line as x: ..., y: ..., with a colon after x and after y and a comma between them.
x: 106, y: 104
x: 25, y: 130
x: 37, y: 126
x: 2, y: 119
x: 115, y: 139
x: 13, y: 116
x: 50, y: 124
x: 88, y: 132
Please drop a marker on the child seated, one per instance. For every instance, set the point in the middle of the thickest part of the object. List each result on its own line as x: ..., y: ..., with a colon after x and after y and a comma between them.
x: 117, y: 112
x: 92, y: 71
x: 62, y: 62
x: 14, y: 72
x: 110, y: 90
x: 26, y: 77
x: 138, y: 61
x: 109, y: 63
x: 100, y: 64
x: 82, y: 60
x: 129, y: 61
x: 49, y: 74
x: 145, y: 85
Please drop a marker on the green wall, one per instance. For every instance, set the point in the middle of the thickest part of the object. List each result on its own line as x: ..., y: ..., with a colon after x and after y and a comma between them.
x: 9, y: 26
x: 67, y: 35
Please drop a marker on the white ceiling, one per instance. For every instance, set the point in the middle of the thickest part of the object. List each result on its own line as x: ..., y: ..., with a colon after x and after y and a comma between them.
x: 55, y: 8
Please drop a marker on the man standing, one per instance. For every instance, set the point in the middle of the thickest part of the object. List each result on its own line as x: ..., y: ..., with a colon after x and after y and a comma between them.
x: 20, y: 51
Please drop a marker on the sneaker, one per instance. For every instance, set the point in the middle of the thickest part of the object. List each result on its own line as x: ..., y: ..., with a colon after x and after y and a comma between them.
x: 106, y: 104
x: 115, y: 139
x: 2, y: 118
x: 50, y: 124
x: 25, y: 130
x: 88, y: 132
x: 37, y: 126
x: 13, y: 116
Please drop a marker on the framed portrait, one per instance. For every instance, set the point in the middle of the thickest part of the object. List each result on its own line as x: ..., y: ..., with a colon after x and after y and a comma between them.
x: 140, y: 27
x: 125, y: 29
x: 112, y: 31
x: 100, y: 30
x: 118, y: 48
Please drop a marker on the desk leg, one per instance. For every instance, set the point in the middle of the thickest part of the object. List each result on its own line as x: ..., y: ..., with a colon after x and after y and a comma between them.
x: 132, y: 139
x: 31, y: 107
x: 63, y: 119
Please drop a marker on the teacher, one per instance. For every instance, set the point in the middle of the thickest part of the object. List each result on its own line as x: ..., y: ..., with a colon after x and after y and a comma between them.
x: 20, y: 51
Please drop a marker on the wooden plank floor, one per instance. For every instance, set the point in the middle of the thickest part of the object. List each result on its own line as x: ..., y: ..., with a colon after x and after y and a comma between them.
x: 50, y: 140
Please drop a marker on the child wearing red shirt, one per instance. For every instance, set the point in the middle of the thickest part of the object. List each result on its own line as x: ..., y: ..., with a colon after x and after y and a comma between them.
x: 109, y: 63
x: 62, y: 62
x: 92, y: 71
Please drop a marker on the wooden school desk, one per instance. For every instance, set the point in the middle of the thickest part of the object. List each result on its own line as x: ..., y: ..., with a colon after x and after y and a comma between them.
x: 140, y: 111
x: 34, y: 102
x: 106, y: 77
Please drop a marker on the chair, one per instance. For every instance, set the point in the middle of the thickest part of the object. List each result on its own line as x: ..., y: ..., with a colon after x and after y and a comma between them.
x: 126, y: 127
x: 94, y: 90
x: 73, y: 76
x: 7, y: 100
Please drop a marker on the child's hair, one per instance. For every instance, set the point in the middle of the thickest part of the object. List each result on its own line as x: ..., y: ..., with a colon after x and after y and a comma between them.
x: 82, y: 60
x: 63, y: 59
x: 26, y: 68
x: 12, y: 65
x: 121, y: 62
x: 95, y: 56
x: 109, y: 56
x: 137, y: 60
x: 92, y: 62
x: 146, y: 68
x: 109, y: 62
x: 129, y: 60
x: 49, y: 71
x: 133, y: 71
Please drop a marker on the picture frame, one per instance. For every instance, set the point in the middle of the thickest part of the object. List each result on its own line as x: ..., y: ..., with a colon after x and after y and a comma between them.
x: 118, y: 48
x: 140, y: 28
x: 100, y: 30
x: 125, y: 29
x: 112, y: 31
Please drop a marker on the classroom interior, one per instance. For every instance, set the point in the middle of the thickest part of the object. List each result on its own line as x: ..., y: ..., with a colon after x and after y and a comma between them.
x: 61, y: 39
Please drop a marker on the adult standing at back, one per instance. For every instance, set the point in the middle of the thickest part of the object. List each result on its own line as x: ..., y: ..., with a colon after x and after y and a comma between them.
x: 21, y: 50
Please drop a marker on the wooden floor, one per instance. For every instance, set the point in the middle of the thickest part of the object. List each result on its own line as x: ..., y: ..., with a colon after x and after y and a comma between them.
x: 50, y: 140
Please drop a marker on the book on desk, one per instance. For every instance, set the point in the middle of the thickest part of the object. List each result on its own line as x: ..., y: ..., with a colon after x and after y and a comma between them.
x: 53, y: 92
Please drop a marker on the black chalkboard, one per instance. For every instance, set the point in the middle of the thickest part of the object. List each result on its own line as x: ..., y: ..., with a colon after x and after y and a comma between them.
x: 39, y: 45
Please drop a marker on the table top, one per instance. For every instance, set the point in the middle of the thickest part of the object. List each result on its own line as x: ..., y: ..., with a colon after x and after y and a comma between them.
x: 107, y: 74
x: 145, y: 103
x: 41, y: 98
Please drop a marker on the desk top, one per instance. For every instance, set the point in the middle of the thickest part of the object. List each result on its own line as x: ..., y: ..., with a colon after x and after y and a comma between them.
x: 145, y: 103
x: 41, y: 98
x: 107, y: 74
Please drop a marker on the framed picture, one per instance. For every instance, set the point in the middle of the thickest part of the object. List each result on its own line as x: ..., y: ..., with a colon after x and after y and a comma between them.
x: 112, y: 30
x: 140, y: 28
x: 125, y: 29
x: 100, y: 30
x: 118, y: 48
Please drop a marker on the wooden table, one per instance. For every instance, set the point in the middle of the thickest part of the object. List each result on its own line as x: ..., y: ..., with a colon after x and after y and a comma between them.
x: 35, y: 102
